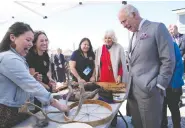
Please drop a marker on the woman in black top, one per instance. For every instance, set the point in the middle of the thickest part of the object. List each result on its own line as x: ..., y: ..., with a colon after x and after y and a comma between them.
x: 82, y: 62
x: 16, y: 82
x: 38, y: 61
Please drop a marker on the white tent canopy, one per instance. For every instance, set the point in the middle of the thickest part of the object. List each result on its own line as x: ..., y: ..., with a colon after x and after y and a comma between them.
x: 62, y: 20
x: 15, y: 9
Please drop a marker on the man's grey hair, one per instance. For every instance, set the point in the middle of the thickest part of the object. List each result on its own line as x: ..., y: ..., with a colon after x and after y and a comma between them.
x: 111, y: 33
x: 129, y: 9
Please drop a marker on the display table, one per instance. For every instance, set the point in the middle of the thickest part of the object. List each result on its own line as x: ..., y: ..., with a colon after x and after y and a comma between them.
x: 29, y: 123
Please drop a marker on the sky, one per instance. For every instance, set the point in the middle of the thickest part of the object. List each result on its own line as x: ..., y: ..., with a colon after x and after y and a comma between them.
x: 66, y: 28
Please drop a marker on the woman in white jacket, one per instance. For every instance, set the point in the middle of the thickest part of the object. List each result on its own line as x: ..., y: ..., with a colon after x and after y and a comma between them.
x: 110, y: 62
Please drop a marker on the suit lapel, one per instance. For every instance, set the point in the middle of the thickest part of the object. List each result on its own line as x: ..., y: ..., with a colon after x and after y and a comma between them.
x: 180, y: 40
x: 134, y: 51
x: 130, y: 47
x: 59, y: 58
x: 180, y: 43
x: 130, y: 44
x: 135, y: 42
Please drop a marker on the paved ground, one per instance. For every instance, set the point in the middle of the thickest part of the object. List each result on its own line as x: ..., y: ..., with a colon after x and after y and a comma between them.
x: 182, y: 109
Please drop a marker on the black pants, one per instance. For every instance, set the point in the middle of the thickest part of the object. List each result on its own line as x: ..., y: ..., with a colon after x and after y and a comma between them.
x: 53, y: 73
x: 172, y: 100
x: 61, y: 75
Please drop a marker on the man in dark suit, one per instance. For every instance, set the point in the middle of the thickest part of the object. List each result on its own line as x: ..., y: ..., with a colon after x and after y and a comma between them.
x: 60, y: 66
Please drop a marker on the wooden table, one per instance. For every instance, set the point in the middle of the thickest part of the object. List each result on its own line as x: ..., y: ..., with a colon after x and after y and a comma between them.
x: 29, y: 123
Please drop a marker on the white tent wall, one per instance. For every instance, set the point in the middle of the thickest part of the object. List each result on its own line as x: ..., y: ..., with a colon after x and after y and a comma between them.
x: 67, y: 22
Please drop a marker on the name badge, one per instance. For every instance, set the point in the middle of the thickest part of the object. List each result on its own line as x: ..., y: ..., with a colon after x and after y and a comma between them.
x: 87, y: 71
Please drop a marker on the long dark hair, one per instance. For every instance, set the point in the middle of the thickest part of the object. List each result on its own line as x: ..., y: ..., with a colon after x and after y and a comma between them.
x: 90, y: 51
x: 17, y: 29
x: 36, y: 36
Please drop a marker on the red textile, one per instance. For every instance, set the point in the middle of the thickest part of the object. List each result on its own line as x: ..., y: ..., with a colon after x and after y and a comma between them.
x: 106, y: 72
x: 120, y: 70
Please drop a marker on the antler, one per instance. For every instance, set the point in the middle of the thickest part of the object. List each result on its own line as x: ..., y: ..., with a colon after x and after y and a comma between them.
x: 83, y: 96
x: 41, y: 122
x: 69, y: 86
x: 82, y: 92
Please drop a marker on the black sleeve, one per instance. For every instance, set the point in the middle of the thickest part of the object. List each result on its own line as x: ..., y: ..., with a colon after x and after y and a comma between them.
x: 56, y: 61
x: 63, y: 59
x: 183, y: 47
x: 30, y: 59
x: 74, y: 56
x: 47, y: 58
x: 93, y: 55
